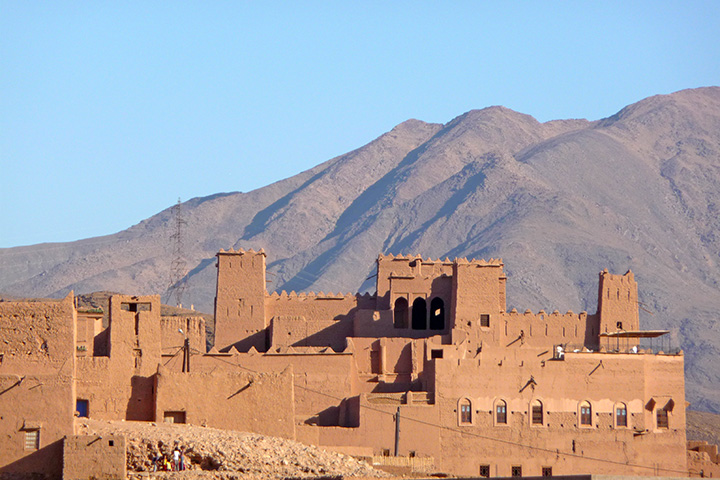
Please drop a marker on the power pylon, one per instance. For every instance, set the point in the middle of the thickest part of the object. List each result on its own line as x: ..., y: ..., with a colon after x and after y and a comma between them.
x: 178, y: 265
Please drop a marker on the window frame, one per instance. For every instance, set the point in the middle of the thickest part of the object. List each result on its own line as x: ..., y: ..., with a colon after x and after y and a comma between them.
x: 28, y: 437
x: 665, y: 416
x: 464, y: 411
x: 537, y: 404
x: 496, y: 415
x: 617, y: 417
x: 582, y: 416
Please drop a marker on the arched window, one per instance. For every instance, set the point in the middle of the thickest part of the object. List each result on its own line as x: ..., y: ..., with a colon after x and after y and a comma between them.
x: 537, y: 413
x: 400, y: 314
x: 419, y: 314
x: 585, y: 414
x: 465, y: 408
x: 501, y: 412
x: 621, y: 415
x: 437, y: 314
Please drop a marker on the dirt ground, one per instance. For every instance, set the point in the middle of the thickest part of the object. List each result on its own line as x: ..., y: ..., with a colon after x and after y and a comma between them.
x: 220, y: 454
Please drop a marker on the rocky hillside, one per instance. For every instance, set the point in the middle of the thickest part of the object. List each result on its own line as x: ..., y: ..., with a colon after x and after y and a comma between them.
x: 558, y: 201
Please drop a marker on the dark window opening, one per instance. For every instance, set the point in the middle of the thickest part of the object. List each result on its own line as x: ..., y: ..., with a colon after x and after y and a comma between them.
x: 621, y: 416
x: 135, y: 306
x: 516, y: 471
x: 585, y: 414
x: 83, y: 408
x: 437, y: 314
x: 484, y: 320
x: 619, y: 325
x: 436, y: 354
x: 485, y: 471
x: 419, y: 314
x: 501, y: 413
x: 662, y: 418
x: 547, y: 471
x: 111, y: 443
x: 386, y: 452
x: 412, y: 454
x: 537, y: 414
x: 465, y: 412
x: 400, y: 314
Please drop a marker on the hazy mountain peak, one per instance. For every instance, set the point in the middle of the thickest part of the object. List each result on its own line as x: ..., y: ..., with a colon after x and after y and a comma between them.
x: 558, y: 201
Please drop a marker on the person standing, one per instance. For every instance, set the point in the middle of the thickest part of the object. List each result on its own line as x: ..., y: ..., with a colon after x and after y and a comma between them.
x: 176, y: 460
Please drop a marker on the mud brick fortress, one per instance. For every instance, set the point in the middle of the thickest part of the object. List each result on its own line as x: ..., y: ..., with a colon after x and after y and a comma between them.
x: 432, y: 368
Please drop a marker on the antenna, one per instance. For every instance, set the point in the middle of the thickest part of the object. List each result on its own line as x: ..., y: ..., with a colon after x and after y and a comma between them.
x: 178, y: 267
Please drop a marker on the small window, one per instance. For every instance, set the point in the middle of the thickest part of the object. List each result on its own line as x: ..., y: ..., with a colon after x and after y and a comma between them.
x: 619, y: 325
x: 83, y: 408
x: 537, y: 413
x: 174, y: 417
x: 516, y: 471
x: 111, y: 443
x: 585, y: 414
x: 135, y: 306
x: 436, y: 354
x: 465, y: 411
x: 662, y: 418
x: 547, y: 471
x: 386, y: 452
x: 485, y: 471
x: 621, y: 415
x: 484, y: 320
x: 32, y: 439
x: 501, y: 412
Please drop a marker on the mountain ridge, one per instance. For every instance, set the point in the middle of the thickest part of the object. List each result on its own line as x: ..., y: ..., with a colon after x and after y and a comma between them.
x: 558, y: 201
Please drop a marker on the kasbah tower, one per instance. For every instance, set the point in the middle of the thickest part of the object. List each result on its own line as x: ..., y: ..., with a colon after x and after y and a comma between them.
x: 431, y: 370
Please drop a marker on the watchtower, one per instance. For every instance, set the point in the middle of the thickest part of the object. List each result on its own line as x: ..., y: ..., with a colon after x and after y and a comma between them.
x: 618, y: 302
x: 240, y: 300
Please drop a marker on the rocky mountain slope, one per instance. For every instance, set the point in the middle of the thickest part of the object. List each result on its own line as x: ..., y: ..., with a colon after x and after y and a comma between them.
x: 558, y: 201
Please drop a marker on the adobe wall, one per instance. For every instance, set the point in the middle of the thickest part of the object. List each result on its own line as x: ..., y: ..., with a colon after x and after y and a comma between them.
x: 618, y: 302
x: 261, y: 403
x: 89, y: 325
x: 478, y: 288
x: 92, y: 456
x: 120, y: 386
x: 541, y: 329
x: 240, y: 318
x: 389, y: 364
x: 411, y: 277
x: 376, y: 431
x: 174, y: 330
x: 323, y: 379
x: 703, y: 460
x: 37, y: 392
x: 310, y: 319
x: 521, y: 375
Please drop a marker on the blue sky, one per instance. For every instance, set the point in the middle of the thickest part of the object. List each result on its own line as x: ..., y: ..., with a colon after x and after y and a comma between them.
x: 111, y: 111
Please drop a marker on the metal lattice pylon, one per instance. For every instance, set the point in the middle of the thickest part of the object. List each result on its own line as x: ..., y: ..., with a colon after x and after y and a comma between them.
x: 178, y: 265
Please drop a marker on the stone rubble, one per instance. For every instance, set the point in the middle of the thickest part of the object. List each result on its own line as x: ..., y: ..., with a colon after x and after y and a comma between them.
x: 219, y: 454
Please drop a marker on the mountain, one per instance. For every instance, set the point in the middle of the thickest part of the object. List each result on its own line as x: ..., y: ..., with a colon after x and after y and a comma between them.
x: 558, y: 201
